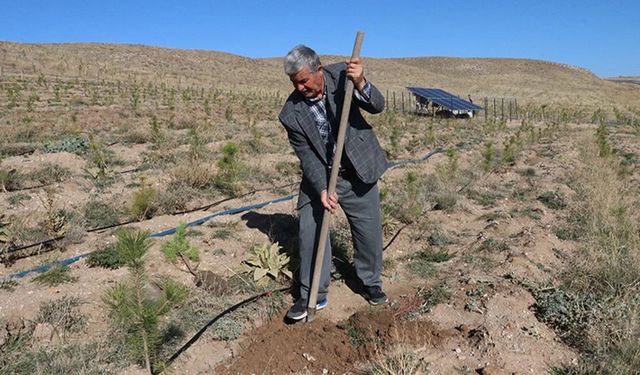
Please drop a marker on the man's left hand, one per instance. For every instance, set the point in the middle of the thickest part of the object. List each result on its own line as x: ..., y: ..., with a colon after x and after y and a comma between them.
x: 355, y: 72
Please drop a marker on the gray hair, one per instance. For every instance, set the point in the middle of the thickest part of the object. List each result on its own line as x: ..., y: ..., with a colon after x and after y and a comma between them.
x: 300, y: 57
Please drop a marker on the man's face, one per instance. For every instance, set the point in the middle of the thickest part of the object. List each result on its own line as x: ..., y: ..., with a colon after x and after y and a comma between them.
x: 310, y: 84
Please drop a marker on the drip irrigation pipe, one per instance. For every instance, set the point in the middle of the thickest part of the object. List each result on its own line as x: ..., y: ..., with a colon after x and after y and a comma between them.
x: 202, y: 208
x: 202, y: 330
x: 167, y: 232
x: 45, y: 185
x: 45, y: 267
x: 29, y: 188
x: 398, y: 163
x: 395, y: 236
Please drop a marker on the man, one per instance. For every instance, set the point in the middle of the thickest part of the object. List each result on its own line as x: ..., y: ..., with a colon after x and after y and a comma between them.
x: 311, y: 116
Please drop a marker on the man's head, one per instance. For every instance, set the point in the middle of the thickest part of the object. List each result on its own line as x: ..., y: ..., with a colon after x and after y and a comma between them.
x: 304, y: 69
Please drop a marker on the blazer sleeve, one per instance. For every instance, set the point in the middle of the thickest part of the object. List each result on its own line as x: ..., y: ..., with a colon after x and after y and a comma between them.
x: 313, y: 169
x: 375, y: 103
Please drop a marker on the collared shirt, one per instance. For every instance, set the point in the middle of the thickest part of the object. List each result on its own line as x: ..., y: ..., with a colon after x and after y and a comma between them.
x: 324, y: 120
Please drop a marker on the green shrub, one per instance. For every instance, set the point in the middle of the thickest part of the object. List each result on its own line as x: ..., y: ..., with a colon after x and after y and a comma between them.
x: 143, y: 205
x: 99, y: 214
x: 56, y: 275
x: 488, y: 155
x: 105, y: 258
x: 602, y: 133
x: 232, y: 173
x: 179, y: 246
x: 133, y: 310
x: 74, y: 144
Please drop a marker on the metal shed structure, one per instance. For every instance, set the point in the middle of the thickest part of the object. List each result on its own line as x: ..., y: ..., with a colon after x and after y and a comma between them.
x: 434, y: 101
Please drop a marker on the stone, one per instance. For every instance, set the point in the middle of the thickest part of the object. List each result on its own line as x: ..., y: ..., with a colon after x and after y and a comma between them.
x: 44, y: 335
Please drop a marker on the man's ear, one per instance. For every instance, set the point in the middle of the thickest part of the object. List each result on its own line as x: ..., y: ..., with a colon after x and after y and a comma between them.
x: 320, y: 69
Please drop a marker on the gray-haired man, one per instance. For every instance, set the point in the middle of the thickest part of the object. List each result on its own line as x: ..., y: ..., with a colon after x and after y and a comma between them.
x: 311, y: 117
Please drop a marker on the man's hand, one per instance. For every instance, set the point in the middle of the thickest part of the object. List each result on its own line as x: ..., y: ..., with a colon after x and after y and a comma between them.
x: 329, y: 202
x: 355, y: 72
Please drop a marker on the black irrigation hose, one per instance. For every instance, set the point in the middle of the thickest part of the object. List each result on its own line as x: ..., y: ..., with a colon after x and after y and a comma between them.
x: 395, y: 236
x: 393, y: 164
x: 49, y: 184
x: 29, y: 188
x: 205, y: 208
x: 202, y: 330
x: 14, y: 249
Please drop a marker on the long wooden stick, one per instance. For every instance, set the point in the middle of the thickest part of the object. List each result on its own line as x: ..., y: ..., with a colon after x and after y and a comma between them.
x: 326, y: 216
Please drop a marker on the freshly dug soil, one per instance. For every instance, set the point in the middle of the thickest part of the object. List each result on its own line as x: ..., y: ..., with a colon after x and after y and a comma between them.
x: 325, y: 347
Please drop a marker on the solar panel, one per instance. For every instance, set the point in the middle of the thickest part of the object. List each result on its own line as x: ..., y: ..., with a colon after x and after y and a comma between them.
x: 444, y: 99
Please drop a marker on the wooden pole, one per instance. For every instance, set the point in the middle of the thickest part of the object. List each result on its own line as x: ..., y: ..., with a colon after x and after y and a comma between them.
x: 509, y: 109
x: 486, y: 108
x: 386, y: 101
x: 494, y: 108
x: 394, y: 102
x: 326, y: 216
x: 402, y: 93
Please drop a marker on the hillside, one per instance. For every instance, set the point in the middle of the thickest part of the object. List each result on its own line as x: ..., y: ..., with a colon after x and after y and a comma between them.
x: 528, y: 80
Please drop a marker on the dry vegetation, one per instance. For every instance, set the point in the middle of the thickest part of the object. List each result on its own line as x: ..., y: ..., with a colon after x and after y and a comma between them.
x: 516, y: 248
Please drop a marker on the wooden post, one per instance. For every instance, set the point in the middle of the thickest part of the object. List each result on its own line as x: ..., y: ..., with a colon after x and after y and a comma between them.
x: 494, y: 108
x: 486, y: 108
x: 502, y: 109
x: 402, y: 93
x: 509, y: 109
x: 515, y: 101
x: 394, y: 101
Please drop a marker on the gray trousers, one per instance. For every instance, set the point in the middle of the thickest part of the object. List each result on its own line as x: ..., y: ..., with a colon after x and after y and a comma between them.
x: 361, y: 204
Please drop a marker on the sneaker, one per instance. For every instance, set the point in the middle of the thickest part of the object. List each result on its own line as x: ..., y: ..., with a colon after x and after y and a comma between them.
x: 375, y: 295
x: 322, y: 303
x: 299, y: 309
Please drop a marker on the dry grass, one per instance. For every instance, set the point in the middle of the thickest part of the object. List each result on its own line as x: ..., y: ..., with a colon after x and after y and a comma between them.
x: 597, y: 308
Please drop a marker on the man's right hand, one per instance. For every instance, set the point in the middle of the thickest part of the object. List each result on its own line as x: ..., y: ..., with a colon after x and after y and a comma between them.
x: 329, y: 202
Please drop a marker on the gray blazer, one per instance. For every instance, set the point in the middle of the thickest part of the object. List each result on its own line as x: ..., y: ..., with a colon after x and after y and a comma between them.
x: 361, y: 144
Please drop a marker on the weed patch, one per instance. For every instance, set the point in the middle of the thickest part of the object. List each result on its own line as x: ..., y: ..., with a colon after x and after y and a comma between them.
x: 56, y: 275
x: 554, y: 200
x: 63, y: 314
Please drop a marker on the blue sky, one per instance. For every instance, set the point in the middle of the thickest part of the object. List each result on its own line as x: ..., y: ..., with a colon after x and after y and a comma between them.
x: 603, y: 36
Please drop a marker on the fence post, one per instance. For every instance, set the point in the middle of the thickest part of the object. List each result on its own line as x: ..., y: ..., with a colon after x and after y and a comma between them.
x: 509, y: 109
x: 515, y: 101
x: 486, y: 108
x: 402, y: 93
x: 394, y: 101
x: 494, y: 108
x: 502, y: 109
x: 386, y: 101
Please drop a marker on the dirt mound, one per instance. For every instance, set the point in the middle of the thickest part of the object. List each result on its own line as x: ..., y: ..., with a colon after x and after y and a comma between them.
x: 325, y: 347
x: 379, y: 328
